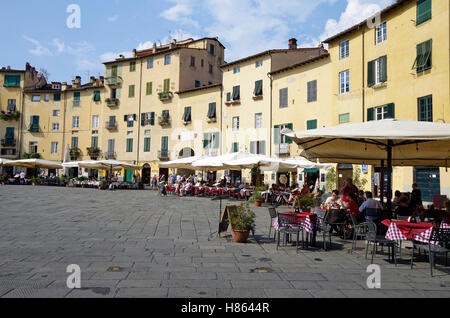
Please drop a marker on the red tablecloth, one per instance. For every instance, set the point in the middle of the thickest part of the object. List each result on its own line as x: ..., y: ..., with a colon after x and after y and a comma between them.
x: 305, y: 219
x: 406, y: 229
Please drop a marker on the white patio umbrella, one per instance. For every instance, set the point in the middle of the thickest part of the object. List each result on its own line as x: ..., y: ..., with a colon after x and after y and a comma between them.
x: 183, y: 163
x: 399, y: 142
x: 3, y: 161
x: 34, y: 163
x: 218, y: 162
x: 65, y: 159
x: 302, y: 163
x: 108, y: 165
x: 262, y: 162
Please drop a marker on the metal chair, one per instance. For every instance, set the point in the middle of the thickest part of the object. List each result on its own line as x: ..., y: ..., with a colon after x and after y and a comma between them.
x: 325, y: 227
x: 360, y: 230
x: 438, y: 243
x: 337, y: 218
x: 373, y: 238
x: 273, y: 215
x: 288, y: 224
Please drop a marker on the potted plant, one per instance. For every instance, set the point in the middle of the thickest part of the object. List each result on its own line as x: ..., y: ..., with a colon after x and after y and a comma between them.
x: 3, y: 179
x: 35, y: 181
x: 306, y: 203
x: 256, y: 198
x: 103, y: 185
x: 242, y: 223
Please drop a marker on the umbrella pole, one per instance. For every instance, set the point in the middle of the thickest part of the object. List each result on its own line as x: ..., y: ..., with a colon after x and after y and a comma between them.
x: 382, y: 182
x: 389, y: 181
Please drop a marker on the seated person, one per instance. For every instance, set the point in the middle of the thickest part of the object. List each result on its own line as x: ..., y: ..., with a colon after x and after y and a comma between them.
x: 305, y: 189
x: 370, y: 203
x: 334, y: 202
x: 403, y: 208
x: 351, y: 204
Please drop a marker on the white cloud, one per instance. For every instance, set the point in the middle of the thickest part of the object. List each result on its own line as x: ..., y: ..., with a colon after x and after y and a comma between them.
x: 80, y: 51
x: 180, y: 13
x: 114, y: 18
x: 39, y: 49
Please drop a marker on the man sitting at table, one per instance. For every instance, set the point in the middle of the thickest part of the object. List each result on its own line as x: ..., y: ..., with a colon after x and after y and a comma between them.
x: 370, y: 203
x: 334, y: 199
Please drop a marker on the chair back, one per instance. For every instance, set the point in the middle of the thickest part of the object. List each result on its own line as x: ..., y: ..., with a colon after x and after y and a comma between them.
x: 374, y: 213
x: 320, y: 213
x: 401, y: 217
x: 336, y: 216
x: 441, y: 236
x: 272, y: 213
x: 287, y: 220
x: 353, y: 218
x: 371, y: 230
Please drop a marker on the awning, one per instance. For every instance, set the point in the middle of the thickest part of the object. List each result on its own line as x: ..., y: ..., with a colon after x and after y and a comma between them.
x: 311, y: 171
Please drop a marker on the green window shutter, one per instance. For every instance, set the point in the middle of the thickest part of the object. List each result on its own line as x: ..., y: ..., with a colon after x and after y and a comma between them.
x: 311, y: 124
x: 253, y: 147
x: 344, y: 118
x: 216, y: 140
x: 9, y: 133
x: 262, y: 146
x: 164, y: 143
x: 166, y: 85
x: 143, y: 119
x: 425, y: 108
x: 423, y: 11
x: 12, y: 80
x: 76, y: 96
x: 383, y: 69
x: 131, y: 91
x: 187, y: 114
x: 370, y: 114
x: 125, y: 117
x: 276, y: 134
x: 258, y: 88
x: 132, y: 66
x: 236, y: 93
x: 235, y: 147
x: 152, y: 118
x: 94, y: 142
x: 291, y: 127
x: 228, y: 97
x: 57, y: 97
x: 129, y: 145
x: 371, y: 73
x: 96, y: 96
x: 147, y: 144
x: 390, y: 111
x: 205, y: 140
x: 149, y: 88
x: 212, y: 110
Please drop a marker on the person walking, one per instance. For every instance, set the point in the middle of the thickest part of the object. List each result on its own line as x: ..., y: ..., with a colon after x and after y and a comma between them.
x: 416, y: 198
x: 22, y: 177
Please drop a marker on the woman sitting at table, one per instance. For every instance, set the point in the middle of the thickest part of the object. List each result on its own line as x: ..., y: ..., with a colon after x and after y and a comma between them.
x: 403, y: 208
x: 351, y: 204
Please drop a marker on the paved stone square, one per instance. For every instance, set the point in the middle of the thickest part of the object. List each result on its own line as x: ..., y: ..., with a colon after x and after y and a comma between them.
x: 138, y: 244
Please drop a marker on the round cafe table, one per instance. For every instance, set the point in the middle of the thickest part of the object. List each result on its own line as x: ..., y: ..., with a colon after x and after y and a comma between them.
x: 308, y: 221
x: 403, y: 230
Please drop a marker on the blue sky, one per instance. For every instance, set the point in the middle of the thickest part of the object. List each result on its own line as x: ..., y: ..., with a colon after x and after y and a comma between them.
x: 39, y: 32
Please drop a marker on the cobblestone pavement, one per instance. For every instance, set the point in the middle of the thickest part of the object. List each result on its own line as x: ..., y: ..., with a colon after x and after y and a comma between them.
x: 137, y: 244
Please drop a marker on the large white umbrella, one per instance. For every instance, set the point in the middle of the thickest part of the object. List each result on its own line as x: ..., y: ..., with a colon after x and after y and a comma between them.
x: 77, y: 164
x: 183, y: 163
x: 34, y: 163
x: 262, y: 162
x: 108, y: 165
x: 218, y: 162
x: 3, y: 161
x: 399, y: 142
x: 302, y: 163
x: 66, y: 158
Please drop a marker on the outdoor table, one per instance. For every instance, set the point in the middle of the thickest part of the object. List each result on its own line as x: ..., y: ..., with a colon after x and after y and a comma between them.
x: 403, y: 231
x: 307, y: 221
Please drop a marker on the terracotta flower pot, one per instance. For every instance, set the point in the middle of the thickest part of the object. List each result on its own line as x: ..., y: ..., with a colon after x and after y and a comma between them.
x: 258, y: 202
x: 240, y: 236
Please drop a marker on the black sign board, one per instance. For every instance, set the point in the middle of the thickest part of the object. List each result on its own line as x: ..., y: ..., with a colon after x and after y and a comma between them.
x: 225, y: 218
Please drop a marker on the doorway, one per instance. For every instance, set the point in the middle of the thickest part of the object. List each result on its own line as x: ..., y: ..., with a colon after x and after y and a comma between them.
x: 345, y: 171
x: 146, y: 174
x: 428, y: 180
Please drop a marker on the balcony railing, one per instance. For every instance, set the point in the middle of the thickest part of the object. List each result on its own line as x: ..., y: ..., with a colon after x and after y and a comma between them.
x: 111, y: 125
x: 110, y: 102
x: 211, y: 152
x: 8, y: 142
x: 93, y: 152
x: 163, y: 96
x: 9, y: 115
x: 33, y: 128
x: 283, y: 149
x: 163, y: 154
x: 114, y: 80
x: 76, y: 103
x: 74, y: 152
x: 164, y: 121
x: 110, y: 155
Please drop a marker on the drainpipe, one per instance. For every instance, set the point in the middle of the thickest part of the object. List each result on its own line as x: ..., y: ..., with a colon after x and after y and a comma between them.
x: 363, y: 85
x: 19, y: 130
x: 221, y: 120
x: 270, y: 111
x: 139, y: 116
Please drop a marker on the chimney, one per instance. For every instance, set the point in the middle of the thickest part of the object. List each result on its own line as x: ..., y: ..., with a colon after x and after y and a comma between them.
x: 154, y: 47
x: 293, y: 44
x: 92, y: 80
x: 321, y: 46
x: 134, y: 52
x: 8, y: 68
x: 78, y: 79
x: 27, y: 67
x: 64, y: 86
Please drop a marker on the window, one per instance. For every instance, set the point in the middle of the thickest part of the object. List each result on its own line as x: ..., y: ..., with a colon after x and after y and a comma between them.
x: 202, y: 62
x: 95, y: 120
x: 74, y: 142
x: 311, y: 124
x: 380, y: 33
x: 129, y: 144
x: 283, y: 97
x: 95, y: 132
x: 344, y: 51
x: 148, y: 119
x: 165, y: 146
x: 235, y: 123
x: 211, y: 140
x: 235, y: 147
x: 258, y: 147
x: 424, y: 53
x: 210, y: 69
x: 130, y: 120
x: 344, y: 82
x: 236, y: 70
x: 167, y: 59
x: 57, y: 97
x: 258, y: 120
x: 111, y: 144
x: 212, y: 111
x: 192, y: 61
x: 344, y: 118
x: 12, y: 80
x: 150, y: 63
x: 34, y: 124
x: 166, y: 85
x: 377, y: 71
x: 36, y: 98
x: 76, y: 99
x: 96, y: 96
x: 259, y: 63
x: 312, y: 91
x: 56, y: 113
x: 212, y: 49
x: 94, y: 141
x: 132, y: 66
x: 425, y: 108
x: 258, y: 88
x: 46, y: 97
x: 55, y: 127
x: 187, y: 114
x: 33, y: 147
x: 423, y: 11
x: 149, y: 88
x: 197, y: 83
x: 228, y: 97
x: 280, y: 137
x: 75, y: 122
x: 236, y: 93
x: 381, y: 112
x: 147, y: 144
x: 54, y: 147
x: 131, y: 91
x: 11, y: 105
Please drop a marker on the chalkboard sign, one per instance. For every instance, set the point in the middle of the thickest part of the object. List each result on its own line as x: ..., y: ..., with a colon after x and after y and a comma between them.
x: 225, y: 218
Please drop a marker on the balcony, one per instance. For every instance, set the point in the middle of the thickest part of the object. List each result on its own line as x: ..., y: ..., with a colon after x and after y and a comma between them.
x: 110, y: 155
x: 76, y: 103
x: 283, y: 149
x: 212, y: 120
x: 259, y: 97
x: 111, y: 125
x: 74, y: 153
x: 164, y: 121
x: 33, y: 128
x: 9, y: 115
x: 211, y: 152
x: 163, y: 154
x: 8, y: 142
x: 113, y: 80
x: 112, y: 102
x: 236, y: 102
x: 93, y: 152
x: 165, y: 96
